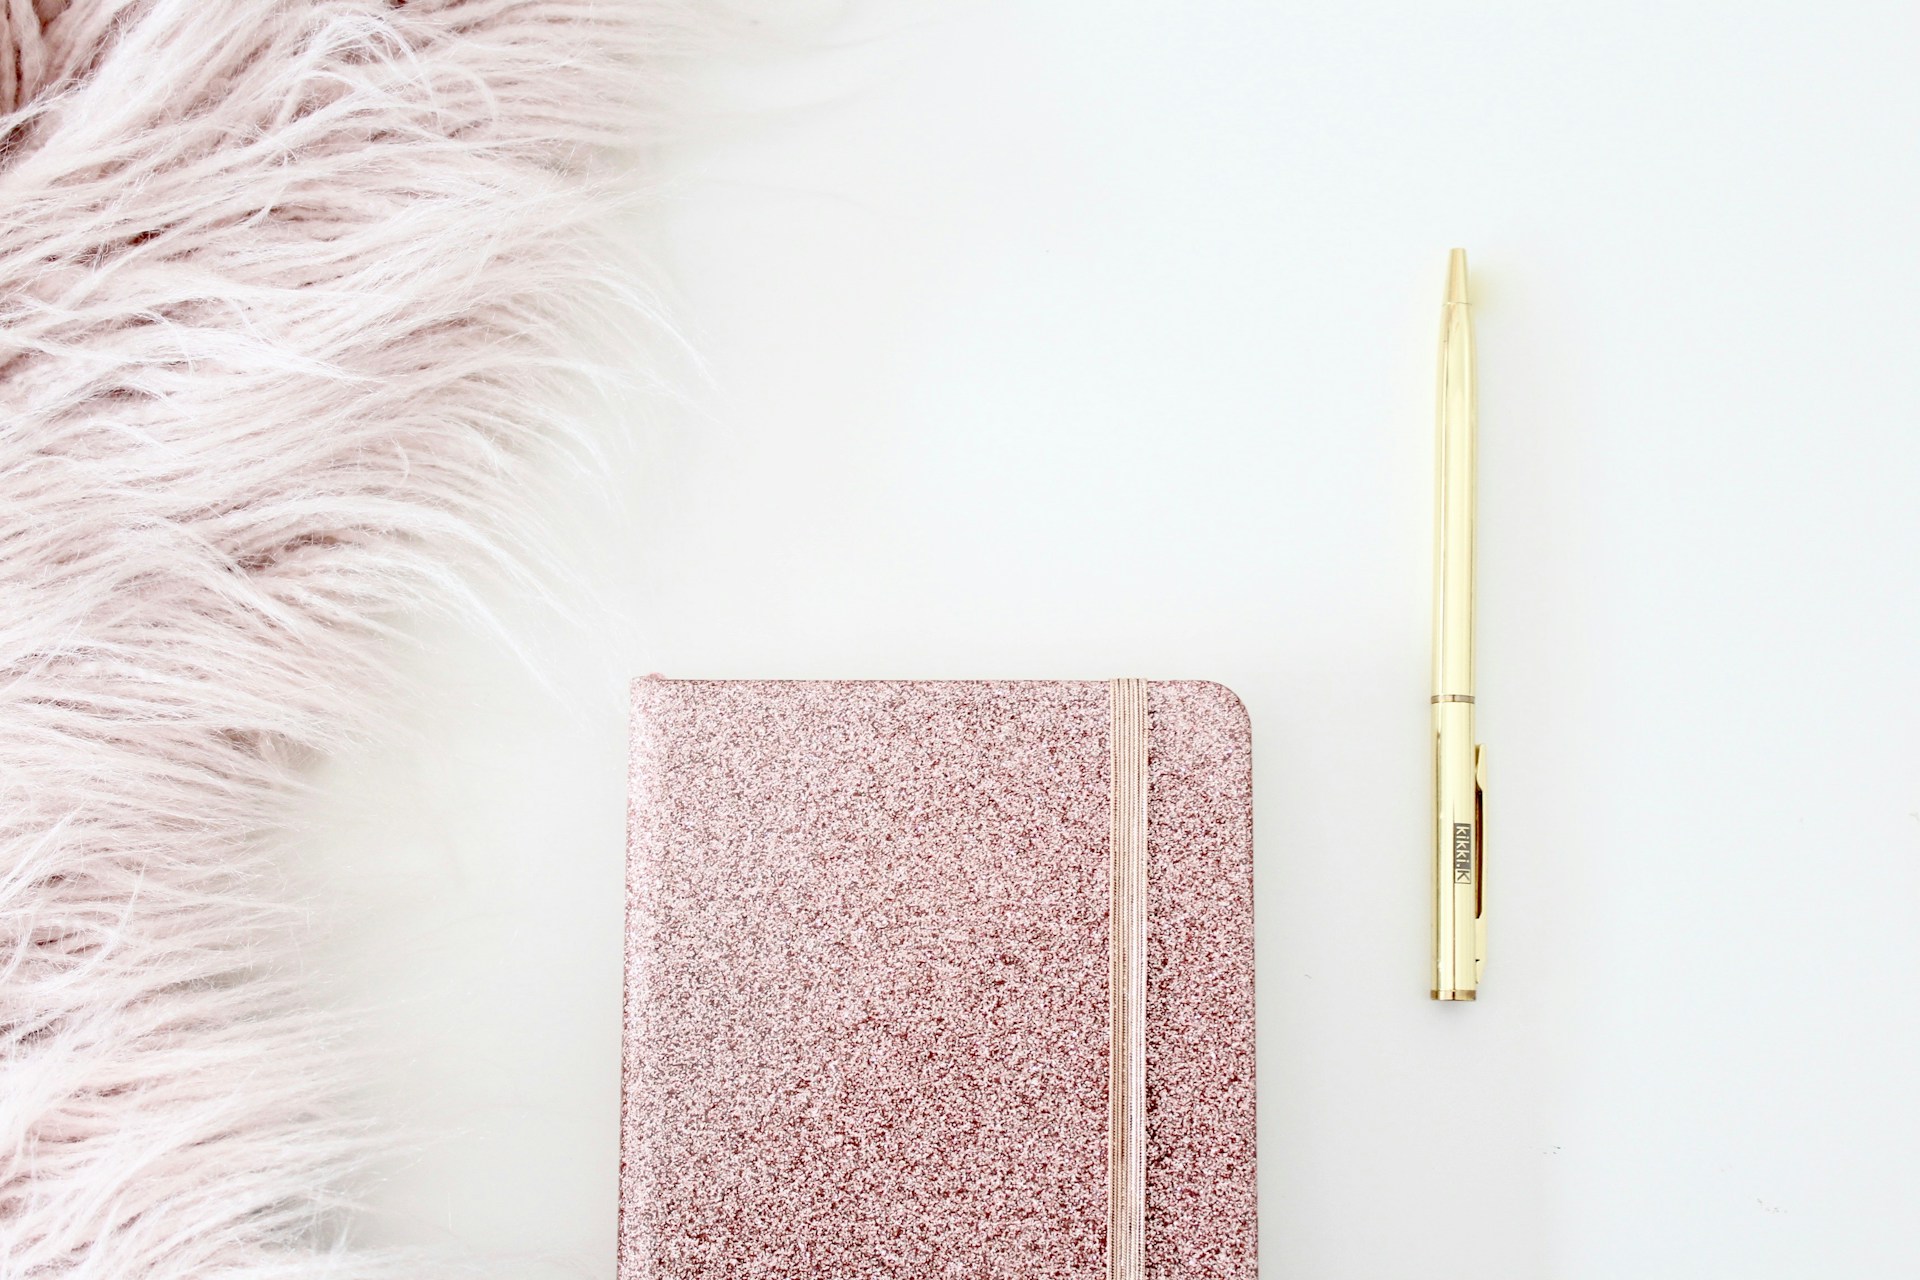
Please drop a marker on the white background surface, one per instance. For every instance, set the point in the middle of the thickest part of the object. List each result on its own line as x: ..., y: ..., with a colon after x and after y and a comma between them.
x: 1080, y: 339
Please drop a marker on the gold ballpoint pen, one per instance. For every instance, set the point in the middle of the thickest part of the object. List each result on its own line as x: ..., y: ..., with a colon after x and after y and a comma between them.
x: 1459, y: 764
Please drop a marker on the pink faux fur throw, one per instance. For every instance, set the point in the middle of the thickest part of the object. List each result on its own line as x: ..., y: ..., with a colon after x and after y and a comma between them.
x: 286, y: 290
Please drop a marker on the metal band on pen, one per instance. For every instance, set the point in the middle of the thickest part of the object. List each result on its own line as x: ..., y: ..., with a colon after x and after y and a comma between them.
x: 1127, y: 984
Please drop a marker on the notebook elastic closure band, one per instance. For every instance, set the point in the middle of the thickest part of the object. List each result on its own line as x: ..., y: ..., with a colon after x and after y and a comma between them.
x: 1127, y: 985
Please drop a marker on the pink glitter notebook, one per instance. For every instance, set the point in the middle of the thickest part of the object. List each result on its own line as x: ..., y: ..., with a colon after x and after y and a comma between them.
x: 938, y: 979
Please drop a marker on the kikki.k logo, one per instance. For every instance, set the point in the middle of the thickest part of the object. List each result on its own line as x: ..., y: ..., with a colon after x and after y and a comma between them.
x: 1463, y: 853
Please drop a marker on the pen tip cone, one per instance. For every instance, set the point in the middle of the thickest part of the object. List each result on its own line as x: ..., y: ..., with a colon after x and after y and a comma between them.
x: 1457, y: 276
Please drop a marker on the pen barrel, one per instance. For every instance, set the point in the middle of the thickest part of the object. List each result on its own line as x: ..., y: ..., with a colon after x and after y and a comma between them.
x: 1458, y: 863
x: 1456, y: 501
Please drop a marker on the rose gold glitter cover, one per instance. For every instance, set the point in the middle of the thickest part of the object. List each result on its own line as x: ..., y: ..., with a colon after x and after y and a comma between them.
x: 867, y: 961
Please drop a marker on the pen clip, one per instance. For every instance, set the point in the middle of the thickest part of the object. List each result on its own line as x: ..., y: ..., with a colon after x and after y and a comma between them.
x: 1479, y: 859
